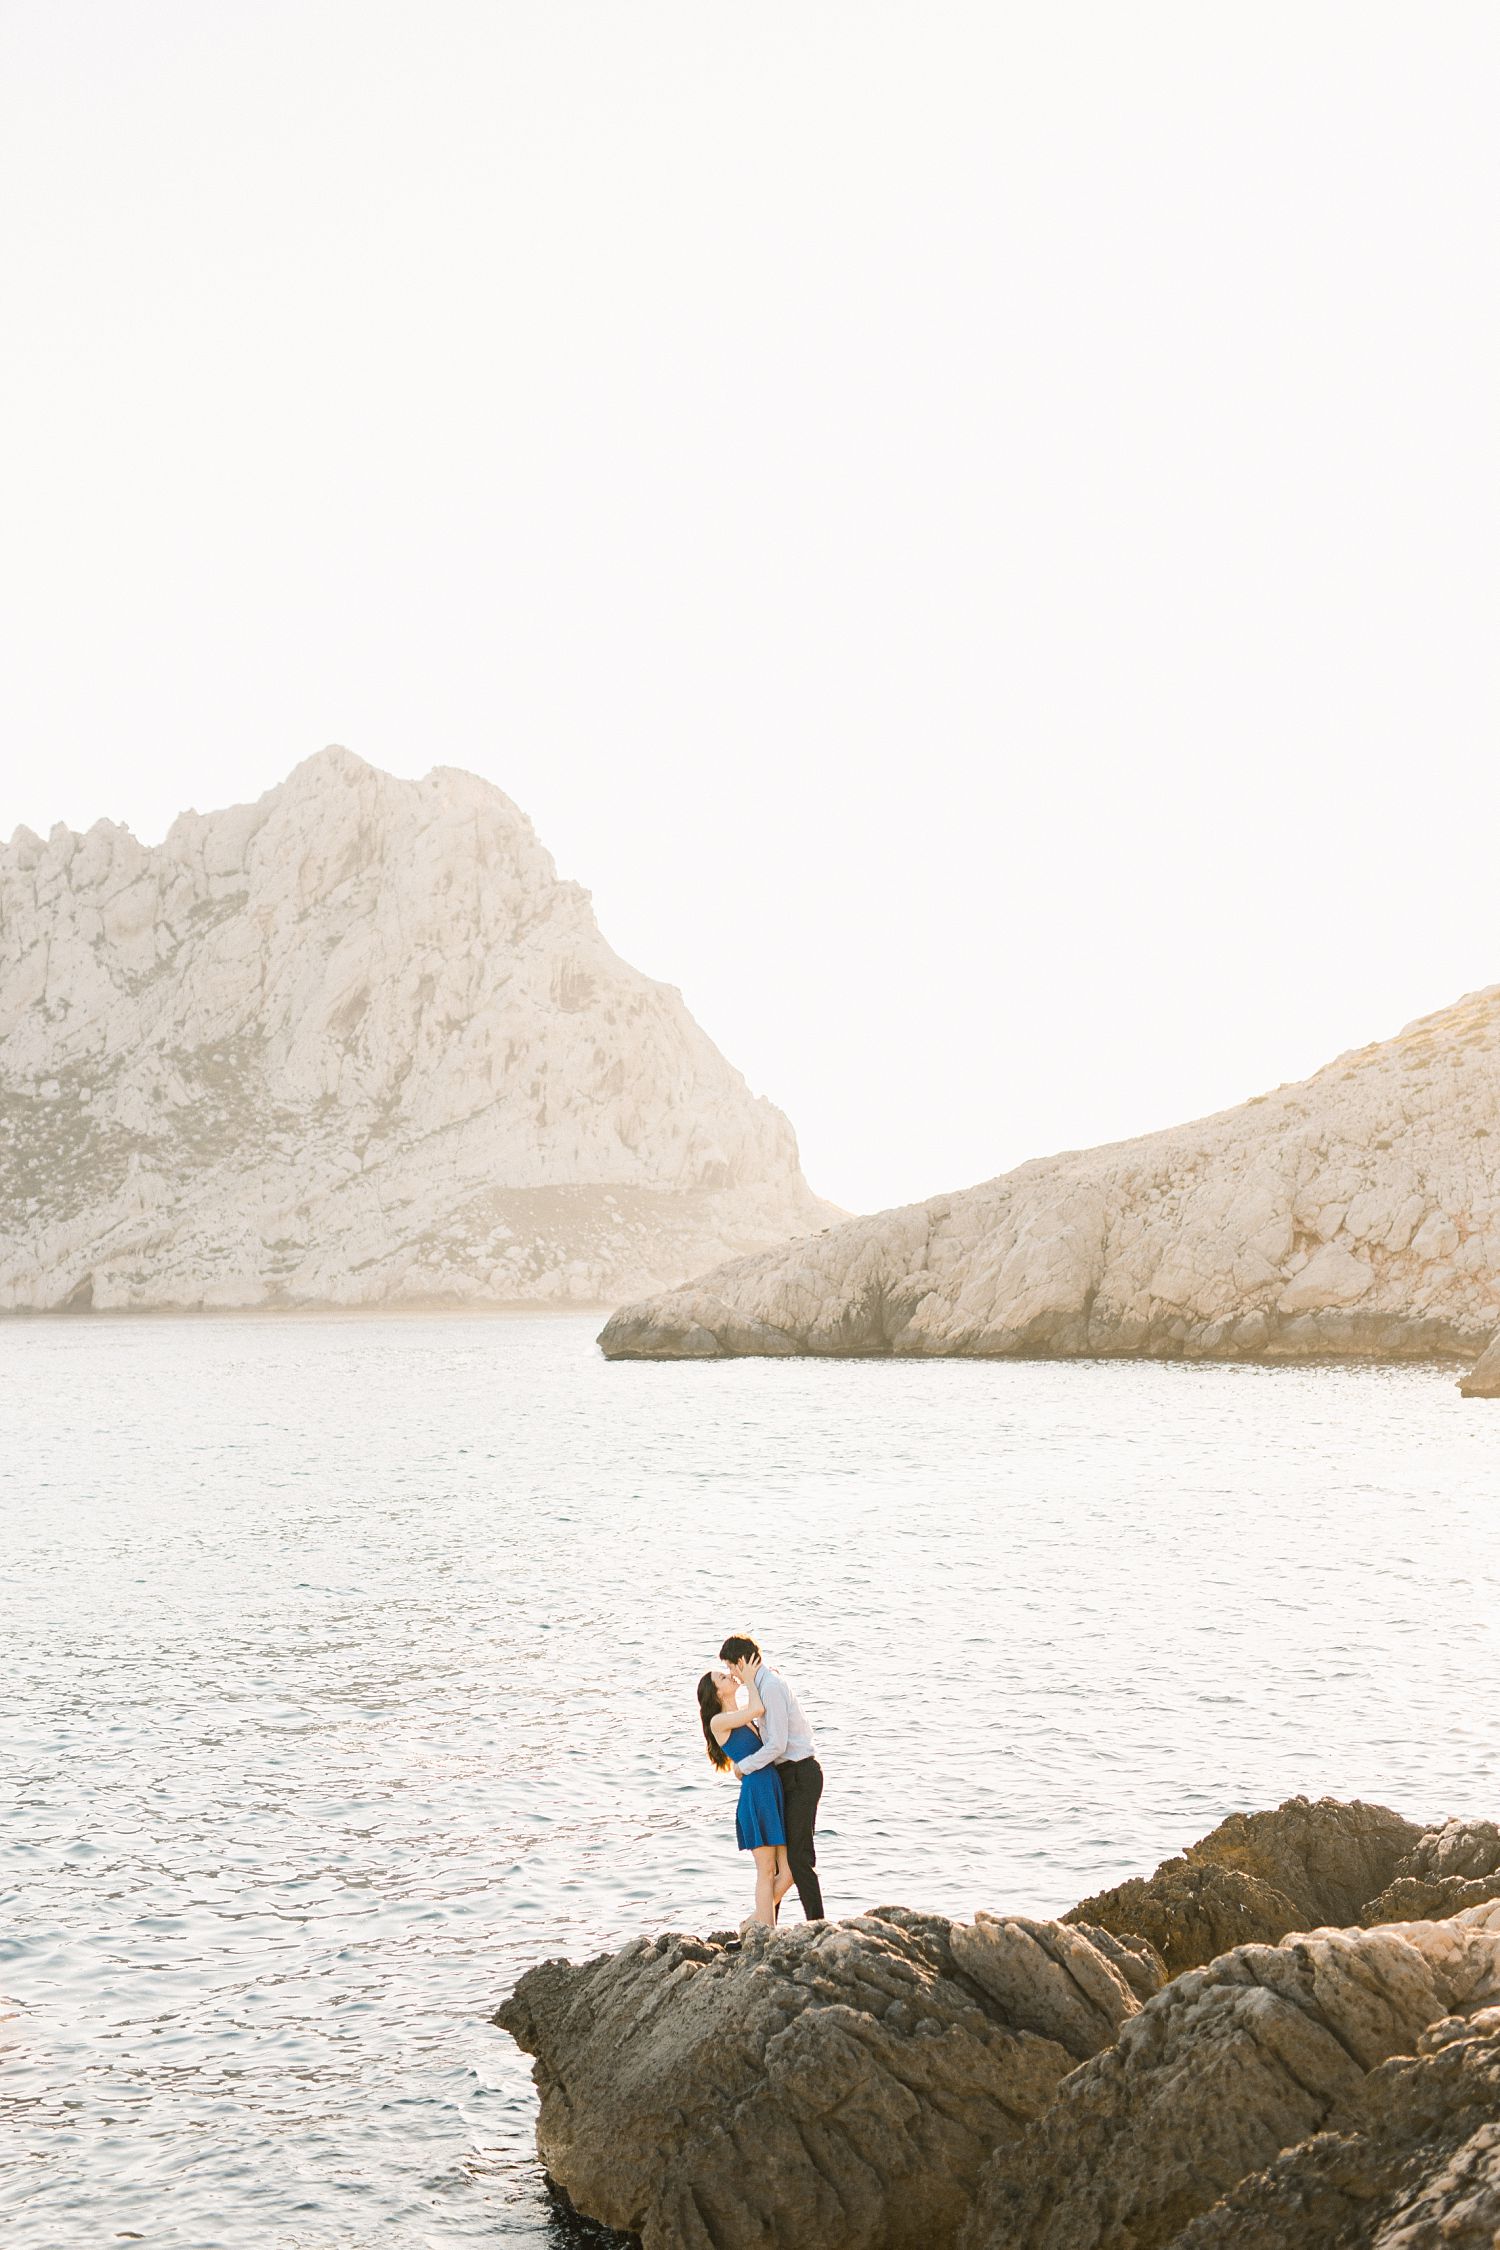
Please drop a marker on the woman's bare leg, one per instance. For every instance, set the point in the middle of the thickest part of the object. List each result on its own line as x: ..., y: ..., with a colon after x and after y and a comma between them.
x: 765, y: 1879
x: 782, y: 1882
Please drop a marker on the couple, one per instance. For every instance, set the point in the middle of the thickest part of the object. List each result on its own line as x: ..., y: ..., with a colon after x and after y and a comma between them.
x: 768, y: 1743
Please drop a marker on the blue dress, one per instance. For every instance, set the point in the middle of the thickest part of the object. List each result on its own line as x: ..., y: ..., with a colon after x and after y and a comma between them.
x: 759, y: 1817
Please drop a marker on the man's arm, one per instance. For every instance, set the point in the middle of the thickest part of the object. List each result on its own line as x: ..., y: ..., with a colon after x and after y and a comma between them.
x: 773, y: 1728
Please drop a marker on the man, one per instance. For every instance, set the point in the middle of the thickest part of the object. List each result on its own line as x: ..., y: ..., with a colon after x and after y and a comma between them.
x: 786, y: 1744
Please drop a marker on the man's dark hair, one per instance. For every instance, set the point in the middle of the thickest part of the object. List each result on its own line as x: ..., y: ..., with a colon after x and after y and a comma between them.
x: 738, y: 1647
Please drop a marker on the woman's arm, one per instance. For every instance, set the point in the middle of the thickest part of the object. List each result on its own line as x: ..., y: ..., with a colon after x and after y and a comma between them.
x: 724, y: 1723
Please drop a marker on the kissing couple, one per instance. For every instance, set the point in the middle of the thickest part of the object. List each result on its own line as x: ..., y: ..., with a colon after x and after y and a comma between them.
x: 754, y: 1727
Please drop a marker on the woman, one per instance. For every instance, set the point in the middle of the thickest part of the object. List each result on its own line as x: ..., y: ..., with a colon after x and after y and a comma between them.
x: 730, y: 1731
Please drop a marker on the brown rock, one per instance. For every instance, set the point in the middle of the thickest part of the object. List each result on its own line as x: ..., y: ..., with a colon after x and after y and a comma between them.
x: 1219, y: 2073
x: 840, y: 2084
x: 1448, y: 1870
x: 1414, y: 2163
x: 1256, y: 1877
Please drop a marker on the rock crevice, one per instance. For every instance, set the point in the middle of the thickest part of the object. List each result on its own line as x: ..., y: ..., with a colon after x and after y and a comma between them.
x: 900, y: 2081
x: 839, y: 2083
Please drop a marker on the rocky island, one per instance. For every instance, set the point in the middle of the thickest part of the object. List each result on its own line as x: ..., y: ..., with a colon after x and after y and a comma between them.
x: 1353, y: 1215
x: 353, y: 1044
x: 1289, y: 2036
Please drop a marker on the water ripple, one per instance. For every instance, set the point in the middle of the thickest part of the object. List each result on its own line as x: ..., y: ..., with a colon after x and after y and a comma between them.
x: 355, y: 1663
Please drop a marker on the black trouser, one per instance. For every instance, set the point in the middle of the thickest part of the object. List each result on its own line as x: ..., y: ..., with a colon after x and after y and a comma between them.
x: 801, y: 1787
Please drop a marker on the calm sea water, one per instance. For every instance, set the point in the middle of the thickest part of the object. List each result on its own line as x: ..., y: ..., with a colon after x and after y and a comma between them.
x: 349, y: 1665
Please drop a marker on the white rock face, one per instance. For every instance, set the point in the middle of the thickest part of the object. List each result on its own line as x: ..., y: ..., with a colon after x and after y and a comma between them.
x: 354, y: 1044
x: 1356, y: 1214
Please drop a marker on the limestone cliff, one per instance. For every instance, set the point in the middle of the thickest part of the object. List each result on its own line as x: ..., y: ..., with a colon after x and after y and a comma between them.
x: 353, y: 1044
x: 1354, y: 1214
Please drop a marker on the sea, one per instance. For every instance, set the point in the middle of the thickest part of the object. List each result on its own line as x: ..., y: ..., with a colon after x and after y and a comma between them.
x: 349, y: 1671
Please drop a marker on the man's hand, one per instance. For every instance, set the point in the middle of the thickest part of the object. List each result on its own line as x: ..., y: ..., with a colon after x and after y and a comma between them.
x: 734, y: 1769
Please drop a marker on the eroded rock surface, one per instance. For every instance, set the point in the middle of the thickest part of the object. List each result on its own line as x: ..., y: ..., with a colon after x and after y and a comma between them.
x: 1447, y: 1871
x: 840, y: 2084
x: 1218, y: 2074
x: 353, y: 1044
x: 1259, y: 1875
x: 1009, y: 2084
x: 1411, y: 2162
x: 1354, y: 1214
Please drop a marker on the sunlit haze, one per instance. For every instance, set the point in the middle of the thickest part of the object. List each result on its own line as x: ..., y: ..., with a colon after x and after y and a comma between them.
x: 969, y: 528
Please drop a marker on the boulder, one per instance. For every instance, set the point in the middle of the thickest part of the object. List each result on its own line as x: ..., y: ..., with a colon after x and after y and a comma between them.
x: 1448, y: 1870
x: 840, y: 2084
x: 1256, y: 1877
x: 1412, y: 2162
x: 1218, y: 2074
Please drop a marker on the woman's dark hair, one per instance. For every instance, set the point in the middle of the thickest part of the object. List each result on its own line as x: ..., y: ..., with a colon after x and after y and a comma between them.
x: 708, y: 1711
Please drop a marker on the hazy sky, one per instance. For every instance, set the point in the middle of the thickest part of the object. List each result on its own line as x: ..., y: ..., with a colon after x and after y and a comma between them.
x: 971, y: 528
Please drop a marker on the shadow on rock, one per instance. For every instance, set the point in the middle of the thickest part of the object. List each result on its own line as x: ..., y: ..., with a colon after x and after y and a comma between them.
x: 1258, y: 1876
x: 1447, y: 1870
x: 1220, y: 2073
x: 1323, y: 2067
x: 1412, y: 2162
x: 840, y: 2084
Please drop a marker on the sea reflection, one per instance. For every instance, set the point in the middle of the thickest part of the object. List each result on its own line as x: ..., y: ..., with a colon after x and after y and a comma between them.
x: 351, y: 1671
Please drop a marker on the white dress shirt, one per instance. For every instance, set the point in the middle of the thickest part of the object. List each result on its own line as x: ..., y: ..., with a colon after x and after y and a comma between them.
x: 785, y: 1734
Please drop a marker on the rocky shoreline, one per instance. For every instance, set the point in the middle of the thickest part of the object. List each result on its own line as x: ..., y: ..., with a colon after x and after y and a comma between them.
x: 1287, y: 2036
x: 1355, y: 1215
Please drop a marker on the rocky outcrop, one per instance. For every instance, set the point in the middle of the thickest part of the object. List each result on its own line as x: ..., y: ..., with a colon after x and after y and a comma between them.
x: 353, y: 1044
x: 839, y: 2083
x: 1414, y: 2162
x: 1257, y: 1876
x: 1448, y: 1870
x: 1005, y: 2084
x: 1356, y: 1214
x: 1483, y: 1378
x: 1218, y: 2074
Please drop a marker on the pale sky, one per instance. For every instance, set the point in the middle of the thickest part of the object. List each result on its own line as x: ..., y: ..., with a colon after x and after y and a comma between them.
x: 970, y: 528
